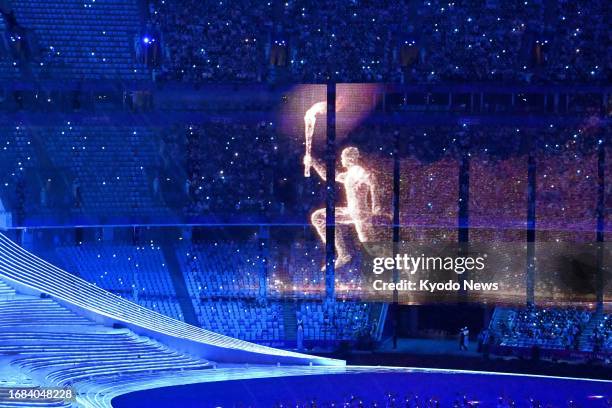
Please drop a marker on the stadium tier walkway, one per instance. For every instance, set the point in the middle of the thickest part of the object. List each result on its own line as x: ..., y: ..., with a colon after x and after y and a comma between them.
x: 178, y: 282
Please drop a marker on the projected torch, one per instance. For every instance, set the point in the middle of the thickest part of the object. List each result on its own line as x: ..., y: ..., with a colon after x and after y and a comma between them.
x: 307, y: 156
x: 310, y: 120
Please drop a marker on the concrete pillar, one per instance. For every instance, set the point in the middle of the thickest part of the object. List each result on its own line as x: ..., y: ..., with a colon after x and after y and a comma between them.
x: 330, y: 196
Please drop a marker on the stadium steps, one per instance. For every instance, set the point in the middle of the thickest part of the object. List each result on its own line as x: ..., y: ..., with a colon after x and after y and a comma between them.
x: 500, y: 314
x: 61, y: 189
x: 180, y: 287
x: 26, y: 312
x: 378, y: 314
x: 53, y: 346
x: 6, y: 292
x: 584, y: 342
x: 289, y: 320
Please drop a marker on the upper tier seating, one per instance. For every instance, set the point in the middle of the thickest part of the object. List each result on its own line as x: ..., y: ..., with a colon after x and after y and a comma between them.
x: 398, y: 41
x: 110, y: 168
x: 17, y: 158
x: 8, y: 67
x: 86, y: 40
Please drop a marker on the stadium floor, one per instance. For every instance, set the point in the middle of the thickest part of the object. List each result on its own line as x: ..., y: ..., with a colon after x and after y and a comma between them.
x: 269, y: 386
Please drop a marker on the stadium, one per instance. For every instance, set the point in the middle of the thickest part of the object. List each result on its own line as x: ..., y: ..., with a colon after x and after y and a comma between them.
x: 354, y: 203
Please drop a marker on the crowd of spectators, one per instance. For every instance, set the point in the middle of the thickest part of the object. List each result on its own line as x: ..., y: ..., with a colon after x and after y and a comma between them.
x: 350, y: 41
x: 236, y: 172
x: 601, y: 339
x: 222, y: 269
x: 212, y: 40
x: 267, y: 181
x: 412, y: 400
x: 512, y: 42
x: 243, y: 170
x: 332, y: 321
x: 546, y: 328
x: 425, y: 41
x: 389, y: 41
x: 246, y: 320
x: 296, y: 269
x: 567, y: 178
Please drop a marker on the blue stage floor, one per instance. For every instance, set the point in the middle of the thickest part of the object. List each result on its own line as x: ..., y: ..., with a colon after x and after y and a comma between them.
x: 270, y: 386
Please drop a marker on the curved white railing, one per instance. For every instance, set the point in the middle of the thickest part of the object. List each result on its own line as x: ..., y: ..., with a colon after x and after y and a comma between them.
x: 21, y: 268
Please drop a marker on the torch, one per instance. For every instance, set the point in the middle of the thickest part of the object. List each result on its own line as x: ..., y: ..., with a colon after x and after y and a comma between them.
x: 307, y: 158
x: 310, y: 120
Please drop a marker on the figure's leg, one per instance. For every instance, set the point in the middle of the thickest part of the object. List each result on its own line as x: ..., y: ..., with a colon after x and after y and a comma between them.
x: 361, y: 227
x: 317, y: 219
x: 364, y: 224
x: 342, y: 254
x: 342, y: 218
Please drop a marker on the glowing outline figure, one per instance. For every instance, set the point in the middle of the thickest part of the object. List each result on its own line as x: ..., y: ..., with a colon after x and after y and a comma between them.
x: 358, y: 183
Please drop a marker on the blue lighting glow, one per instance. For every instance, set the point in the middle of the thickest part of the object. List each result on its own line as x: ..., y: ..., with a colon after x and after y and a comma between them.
x: 22, y: 268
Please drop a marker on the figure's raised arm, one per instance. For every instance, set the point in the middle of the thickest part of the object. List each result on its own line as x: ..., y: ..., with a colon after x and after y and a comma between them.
x: 310, y: 121
x: 317, y: 166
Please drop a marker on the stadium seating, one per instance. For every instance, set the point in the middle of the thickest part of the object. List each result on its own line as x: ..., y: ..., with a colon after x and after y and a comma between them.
x: 83, y: 40
x: 222, y: 279
x: 221, y: 269
x: 85, y: 154
x: 245, y: 320
x: 600, y: 338
x: 547, y: 328
x: 331, y: 321
x: 424, y: 42
x: 8, y: 67
x: 402, y: 41
x: 103, y: 173
x: 231, y: 40
x: 137, y: 273
x: 297, y: 274
x: 17, y: 158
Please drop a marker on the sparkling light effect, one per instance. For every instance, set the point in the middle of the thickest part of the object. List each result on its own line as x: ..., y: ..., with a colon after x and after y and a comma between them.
x: 310, y: 121
x: 362, y: 201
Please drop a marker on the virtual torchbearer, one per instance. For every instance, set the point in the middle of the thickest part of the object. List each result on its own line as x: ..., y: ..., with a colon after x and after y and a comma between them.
x: 360, y: 190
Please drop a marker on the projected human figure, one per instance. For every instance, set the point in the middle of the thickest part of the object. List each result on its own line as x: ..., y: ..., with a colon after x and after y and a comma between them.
x: 361, y: 200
